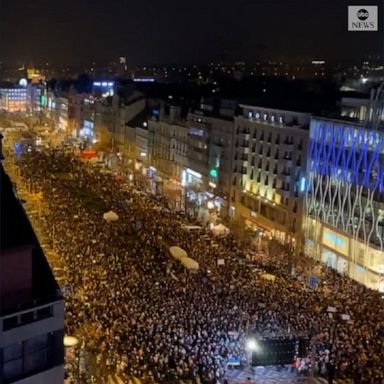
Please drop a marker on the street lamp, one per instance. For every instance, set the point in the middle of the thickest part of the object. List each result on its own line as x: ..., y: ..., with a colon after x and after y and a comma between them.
x: 252, y: 345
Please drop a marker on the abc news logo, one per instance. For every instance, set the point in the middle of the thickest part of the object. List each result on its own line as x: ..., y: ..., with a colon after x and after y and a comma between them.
x: 363, y: 14
x: 362, y: 18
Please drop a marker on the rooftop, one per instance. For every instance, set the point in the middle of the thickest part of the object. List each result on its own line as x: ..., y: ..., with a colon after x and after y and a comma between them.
x: 17, y: 232
x: 140, y: 119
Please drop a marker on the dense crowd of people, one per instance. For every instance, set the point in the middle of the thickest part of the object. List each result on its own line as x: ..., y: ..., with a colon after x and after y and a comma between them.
x: 140, y: 313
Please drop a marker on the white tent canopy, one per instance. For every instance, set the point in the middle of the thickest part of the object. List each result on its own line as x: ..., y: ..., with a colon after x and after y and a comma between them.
x: 191, y: 227
x: 268, y: 276
x: 178, y: 253
x: 190, y: 263
x: 220, y: 230
x: 110, y: 216
x: 70, y: 341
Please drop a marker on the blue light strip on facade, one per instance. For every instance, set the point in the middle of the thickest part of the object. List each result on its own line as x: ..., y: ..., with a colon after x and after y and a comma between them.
x: 352, y: 155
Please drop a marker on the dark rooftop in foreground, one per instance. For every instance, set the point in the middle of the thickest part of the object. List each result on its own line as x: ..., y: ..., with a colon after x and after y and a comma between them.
x: 16, y: 230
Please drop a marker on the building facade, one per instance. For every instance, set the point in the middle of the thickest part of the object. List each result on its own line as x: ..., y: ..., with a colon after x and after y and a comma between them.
x: 14, y: 99
x: 210, y: 138
x: 269, y: 171
x: 354, y: 108
x: 168, y: 142
x: 344, y: 223
x: 62, y: 113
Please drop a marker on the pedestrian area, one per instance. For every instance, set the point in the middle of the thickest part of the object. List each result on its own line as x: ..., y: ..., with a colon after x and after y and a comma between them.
x: 136, y: 310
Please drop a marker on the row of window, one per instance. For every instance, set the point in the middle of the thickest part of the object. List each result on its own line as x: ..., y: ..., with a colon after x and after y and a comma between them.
x: 270, y: 212
x: 267, y: 180
x: 284, y: 155
x: 31, y: 356
x: 274, y: 138
x: 18, y: 97
x: 286, y: 171
x: 26, y: 318
x: 13, y: 91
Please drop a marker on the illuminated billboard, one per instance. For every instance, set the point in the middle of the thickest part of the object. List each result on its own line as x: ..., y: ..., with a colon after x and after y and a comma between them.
x: 335, y: 241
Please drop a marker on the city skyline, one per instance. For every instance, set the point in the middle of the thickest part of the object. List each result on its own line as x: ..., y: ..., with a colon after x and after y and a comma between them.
x: 147, y: 32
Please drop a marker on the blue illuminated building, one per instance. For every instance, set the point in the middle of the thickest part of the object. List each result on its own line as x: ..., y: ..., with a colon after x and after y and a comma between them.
x: 344, y: 223
x: 103, y: 88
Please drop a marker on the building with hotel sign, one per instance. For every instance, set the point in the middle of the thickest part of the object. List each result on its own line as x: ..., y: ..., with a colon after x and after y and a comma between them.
x: 269, y: 171
x: 344, y: 221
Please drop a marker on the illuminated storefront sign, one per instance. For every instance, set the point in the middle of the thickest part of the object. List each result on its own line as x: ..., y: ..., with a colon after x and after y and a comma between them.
x: 335, y: 241
x: 194, y: 173
x: 213, y: 173
x: 212, y: 185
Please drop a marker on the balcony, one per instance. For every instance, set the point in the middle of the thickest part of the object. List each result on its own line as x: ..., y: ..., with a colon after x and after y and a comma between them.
x: 27, y: 317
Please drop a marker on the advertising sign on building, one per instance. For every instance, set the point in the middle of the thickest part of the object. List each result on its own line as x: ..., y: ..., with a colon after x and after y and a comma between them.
x: 336, y: 241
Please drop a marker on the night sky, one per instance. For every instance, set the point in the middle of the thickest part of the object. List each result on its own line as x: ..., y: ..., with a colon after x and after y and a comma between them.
x: 76, y: 32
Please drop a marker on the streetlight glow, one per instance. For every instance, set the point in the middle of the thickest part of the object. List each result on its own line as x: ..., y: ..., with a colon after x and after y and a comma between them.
x: 251, y: 345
